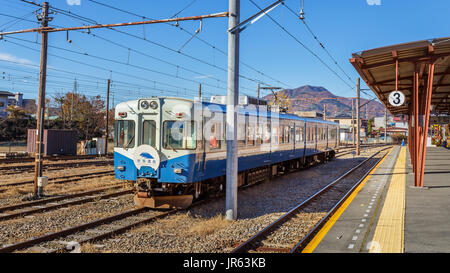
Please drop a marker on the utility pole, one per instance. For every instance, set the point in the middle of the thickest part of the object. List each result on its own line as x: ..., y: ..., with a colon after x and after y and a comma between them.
x: 324, y: 112
x: 353, y: 122
x: 232, y: 101
x: 199, y: 92
x: 385, y: 125
x: 41, y: 102
x: 258, y: 94
x: 357, y: 117
x: 107, y: 117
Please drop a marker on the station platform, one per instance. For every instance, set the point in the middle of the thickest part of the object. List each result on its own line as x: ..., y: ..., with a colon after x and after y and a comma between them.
x: 387, y: 214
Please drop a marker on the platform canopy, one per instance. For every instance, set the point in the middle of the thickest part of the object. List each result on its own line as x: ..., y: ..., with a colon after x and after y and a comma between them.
x: 421, y: 72
x: 380, y: 67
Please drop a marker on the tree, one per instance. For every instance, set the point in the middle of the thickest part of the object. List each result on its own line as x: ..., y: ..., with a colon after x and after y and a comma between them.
x: 282, y: 100
x: 87, y: 115
x: 15, y: 126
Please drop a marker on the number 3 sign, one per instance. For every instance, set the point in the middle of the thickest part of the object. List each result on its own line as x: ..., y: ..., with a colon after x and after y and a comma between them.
x: 396, y: 98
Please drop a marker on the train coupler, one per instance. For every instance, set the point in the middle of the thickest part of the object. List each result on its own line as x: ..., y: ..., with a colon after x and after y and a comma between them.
x: 143, y: 199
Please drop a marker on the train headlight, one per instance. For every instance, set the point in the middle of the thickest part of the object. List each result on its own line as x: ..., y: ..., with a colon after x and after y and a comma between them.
x: 144, y: 104
x: 153, y: 105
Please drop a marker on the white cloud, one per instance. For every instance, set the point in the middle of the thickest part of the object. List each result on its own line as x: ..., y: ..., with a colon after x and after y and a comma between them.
x: 374, y: 2
x: 73, y: 2
x: 12, y: 58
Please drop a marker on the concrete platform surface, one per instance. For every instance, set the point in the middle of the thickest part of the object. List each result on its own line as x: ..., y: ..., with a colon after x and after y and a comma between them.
x: 389, y: 215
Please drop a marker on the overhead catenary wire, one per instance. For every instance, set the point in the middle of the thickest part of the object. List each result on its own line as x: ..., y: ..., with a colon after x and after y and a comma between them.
x: 303, y: 45
x: 82, y: 18
x: 321, y: 44
x: 196, y: 37
x: 105, y: 69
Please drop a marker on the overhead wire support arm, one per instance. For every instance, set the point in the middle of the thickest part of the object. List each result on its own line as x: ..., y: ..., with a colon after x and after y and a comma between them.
x: 50, y: 29
x: 252, y: 19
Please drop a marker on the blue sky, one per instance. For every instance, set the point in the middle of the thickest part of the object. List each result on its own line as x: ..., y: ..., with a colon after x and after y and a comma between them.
x: 153, y: 66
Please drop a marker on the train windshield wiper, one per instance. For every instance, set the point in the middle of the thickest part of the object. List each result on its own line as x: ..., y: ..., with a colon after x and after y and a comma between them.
x: 129, y: 142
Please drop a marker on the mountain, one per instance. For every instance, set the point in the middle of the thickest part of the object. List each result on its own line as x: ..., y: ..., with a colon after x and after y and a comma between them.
x: 313, y: 98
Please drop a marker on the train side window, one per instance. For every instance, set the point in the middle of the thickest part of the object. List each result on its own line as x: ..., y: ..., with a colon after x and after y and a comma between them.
x: 251, y: 134
x: 149, y: 132
x: 258, y: 134
x: 297, y: 133
x: 274, y: 135
x: 287, y: 134
x: 266, y: 133
x: 124, y: 134
x: 281, y: 134
x: 214, y: 138
x: 241, y: 134
x: 302, y: 129
x: 179, y: 135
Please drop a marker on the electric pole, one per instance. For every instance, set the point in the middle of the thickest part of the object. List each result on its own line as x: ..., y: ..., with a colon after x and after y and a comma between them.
x: 107, y: 117
x: 385, y: 125
x: 232, y: 101
x: 357, y: 117
x: 199, y: 92
x: 353, y: 122
x: 41, y: 101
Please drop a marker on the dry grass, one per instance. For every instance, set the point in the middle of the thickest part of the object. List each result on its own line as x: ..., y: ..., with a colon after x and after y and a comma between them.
x: 207, y: 226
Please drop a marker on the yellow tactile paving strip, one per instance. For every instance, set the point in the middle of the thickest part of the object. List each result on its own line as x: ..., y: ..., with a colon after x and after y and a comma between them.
x: 389, y: 233
x: 321, y: 234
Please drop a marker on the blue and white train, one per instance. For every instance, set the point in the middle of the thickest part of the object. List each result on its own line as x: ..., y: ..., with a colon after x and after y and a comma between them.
x: 174, y: 149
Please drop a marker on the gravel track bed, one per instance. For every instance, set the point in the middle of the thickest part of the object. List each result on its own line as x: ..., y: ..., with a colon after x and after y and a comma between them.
x: 203, y: 229
x: 15, y: 230
x: 26, y: 176
x: 294, y: 229
x: 46, y: 162
x: 16, y: 194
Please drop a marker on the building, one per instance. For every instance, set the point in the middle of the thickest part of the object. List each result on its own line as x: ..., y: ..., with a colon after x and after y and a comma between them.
x: 16, y: 99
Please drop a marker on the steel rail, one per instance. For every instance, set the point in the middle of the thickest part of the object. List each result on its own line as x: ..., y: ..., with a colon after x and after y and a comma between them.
x: 300, y: 245
x: 84, y: 176
x: 244, y: 247
x: 55, y: 198
x: 71, y: 230
x: 66, y: 164
x: 7, y: 216
x: 18, y: 159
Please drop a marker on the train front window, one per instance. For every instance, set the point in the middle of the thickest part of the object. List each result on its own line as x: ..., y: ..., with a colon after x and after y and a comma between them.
x: 149, y: 132
x: 180, y: 135
x: 124, y: 134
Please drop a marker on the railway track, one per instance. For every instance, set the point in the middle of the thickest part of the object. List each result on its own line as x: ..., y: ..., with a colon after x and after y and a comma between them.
x: 49, y: 158
x: 52, y: 203
x: 337, y: 191
x: 5, y: 170
x: 93, y: 231
x: 346, y: 151
x: 57, y: 180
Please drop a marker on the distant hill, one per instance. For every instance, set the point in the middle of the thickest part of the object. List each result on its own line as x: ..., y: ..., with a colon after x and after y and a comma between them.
x: 319, y: 96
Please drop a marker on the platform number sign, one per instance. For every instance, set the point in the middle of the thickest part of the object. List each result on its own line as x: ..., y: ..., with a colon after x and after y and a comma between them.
x: 396, y: 98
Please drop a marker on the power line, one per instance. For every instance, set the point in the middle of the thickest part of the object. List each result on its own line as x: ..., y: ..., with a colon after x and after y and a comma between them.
x: 318, y: 41
x: 119, y: 62
x: 192, y: 34
x: 99, y: 67
x: 303, y: 45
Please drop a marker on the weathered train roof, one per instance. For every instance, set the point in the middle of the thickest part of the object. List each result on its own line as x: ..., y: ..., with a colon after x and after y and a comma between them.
x: 377, y: 68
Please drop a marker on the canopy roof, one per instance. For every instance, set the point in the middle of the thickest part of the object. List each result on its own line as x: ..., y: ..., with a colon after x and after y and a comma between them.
x: 378, y: 66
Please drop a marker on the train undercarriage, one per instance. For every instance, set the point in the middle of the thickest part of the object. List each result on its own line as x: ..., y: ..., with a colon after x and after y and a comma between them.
x: 152, y: 194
